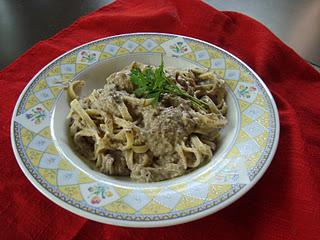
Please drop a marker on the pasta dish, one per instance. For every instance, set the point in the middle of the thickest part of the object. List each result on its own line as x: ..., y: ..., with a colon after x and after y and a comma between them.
x: 150, y: 123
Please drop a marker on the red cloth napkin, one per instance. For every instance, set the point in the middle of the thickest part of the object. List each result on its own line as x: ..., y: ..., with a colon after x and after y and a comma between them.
x: 283, y: 205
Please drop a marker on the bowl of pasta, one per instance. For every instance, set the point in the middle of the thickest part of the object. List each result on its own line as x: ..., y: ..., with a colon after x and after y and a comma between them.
x: 145, y: 129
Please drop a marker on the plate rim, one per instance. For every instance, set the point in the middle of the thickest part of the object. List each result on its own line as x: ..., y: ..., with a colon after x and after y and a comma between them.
x: 161, y: 223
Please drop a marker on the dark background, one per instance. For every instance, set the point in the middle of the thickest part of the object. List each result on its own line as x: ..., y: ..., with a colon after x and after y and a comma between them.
x: 25, y: 22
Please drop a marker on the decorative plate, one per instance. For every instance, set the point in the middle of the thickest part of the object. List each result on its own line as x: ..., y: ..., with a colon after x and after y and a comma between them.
x: 40, y: 141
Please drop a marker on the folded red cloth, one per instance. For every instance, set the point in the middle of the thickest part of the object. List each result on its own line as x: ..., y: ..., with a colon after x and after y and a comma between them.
x: 283, y: 205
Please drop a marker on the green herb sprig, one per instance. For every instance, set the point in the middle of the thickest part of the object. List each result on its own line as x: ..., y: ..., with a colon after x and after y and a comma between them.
x: 153, y: 83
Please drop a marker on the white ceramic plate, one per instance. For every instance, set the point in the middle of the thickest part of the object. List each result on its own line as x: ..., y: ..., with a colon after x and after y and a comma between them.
x: 42, y: 148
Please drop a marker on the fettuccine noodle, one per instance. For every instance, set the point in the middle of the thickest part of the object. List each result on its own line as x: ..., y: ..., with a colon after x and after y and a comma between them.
x: 129, y: 136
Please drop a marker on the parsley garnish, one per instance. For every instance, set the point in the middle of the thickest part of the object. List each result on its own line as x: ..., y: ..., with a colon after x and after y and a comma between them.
x: 152, y: 83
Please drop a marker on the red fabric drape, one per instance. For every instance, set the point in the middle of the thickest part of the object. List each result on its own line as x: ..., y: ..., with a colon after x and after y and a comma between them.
x: 283, y: 205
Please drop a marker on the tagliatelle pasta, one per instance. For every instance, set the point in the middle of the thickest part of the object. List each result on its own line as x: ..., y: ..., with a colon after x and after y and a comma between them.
x: 129, y: 136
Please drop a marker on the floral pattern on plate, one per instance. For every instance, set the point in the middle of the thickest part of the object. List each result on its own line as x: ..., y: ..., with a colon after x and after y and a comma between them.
x: 35, y: 119
x: 246, y: 91
x: 176, y: 47
x: 98, y: 194
x: 97, y: 199
x: 88, y: 56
